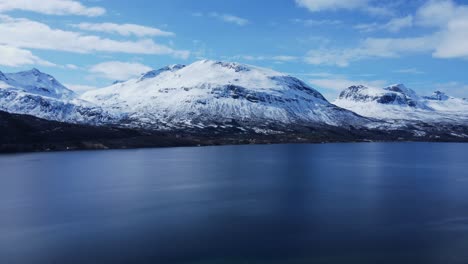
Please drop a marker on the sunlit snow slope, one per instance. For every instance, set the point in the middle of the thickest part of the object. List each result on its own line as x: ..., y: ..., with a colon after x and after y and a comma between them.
x: 39, y: 94
x: 211, y: 93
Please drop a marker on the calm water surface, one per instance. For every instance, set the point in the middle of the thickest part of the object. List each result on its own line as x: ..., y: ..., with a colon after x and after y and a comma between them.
x: 333, y: 203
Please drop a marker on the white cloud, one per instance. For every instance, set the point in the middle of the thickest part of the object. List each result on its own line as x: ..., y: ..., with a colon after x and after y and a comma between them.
x: 436, y: 13
x: 321, y: 5
x: 449, y: 40
x: 51, y: 7
x: 371, y: 48
x: 452, y: 22
x: 14, y: 57
x: 394, y: 25
x: 24, y: 33
x: 454, y: 42
x: 397, y: 24
x: 117, y: 70
x: 314, y: 22
x: 124, y: 29
x: 79, y: 88
x: 284, y: 58
x: 410, y: 71
x: 230, y: 19
x: 71, y: 66
x: 363, y: 5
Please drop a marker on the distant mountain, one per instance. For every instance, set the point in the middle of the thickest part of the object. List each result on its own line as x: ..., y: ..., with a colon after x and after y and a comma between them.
x: 397, y: 94
x: 39, y: 94
x: 397, y: 102
x: 36, y: 82
x: 212, y: 93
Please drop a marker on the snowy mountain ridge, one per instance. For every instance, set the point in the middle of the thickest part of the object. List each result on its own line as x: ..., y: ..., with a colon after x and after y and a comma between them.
x: 217, y: 95
x: 211, y: 93
x: 36, y: 82
x: 154, y: 73
x: 39, y: 94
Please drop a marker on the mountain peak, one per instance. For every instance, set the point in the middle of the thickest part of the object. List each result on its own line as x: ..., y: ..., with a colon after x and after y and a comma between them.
x: 401, y: 88
x: 32, y: 72
x: 237, y: 67
x: 209, y: 93
x: 154, y: 73
x: 36, y: 82
x: 397, y: 94
x: 438, y: 96
x: 35, y: 70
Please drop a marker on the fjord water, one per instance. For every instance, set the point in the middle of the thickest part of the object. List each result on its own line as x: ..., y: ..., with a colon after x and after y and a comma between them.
x: 331, y: 203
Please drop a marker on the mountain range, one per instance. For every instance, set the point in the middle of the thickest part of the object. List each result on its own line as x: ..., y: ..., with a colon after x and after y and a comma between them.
x: 214, y: 99
x: 397, y: 102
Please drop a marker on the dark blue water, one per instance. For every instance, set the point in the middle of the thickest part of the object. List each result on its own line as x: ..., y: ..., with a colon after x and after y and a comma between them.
x: 333, y: 203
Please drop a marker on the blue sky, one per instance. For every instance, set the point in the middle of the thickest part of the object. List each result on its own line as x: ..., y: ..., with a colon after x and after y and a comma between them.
x: 330, y: 44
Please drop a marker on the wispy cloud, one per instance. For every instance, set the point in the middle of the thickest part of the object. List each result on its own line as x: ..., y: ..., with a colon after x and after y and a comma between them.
x: 51, y: 7
x: 448, y: 41
x: 314, y: 22
x: 410, y: 71
x: 228, y: 18
x: 118, y: 70
x: 321, y: 5
x: 371, y: 48
x: 394, y: 25
x: 124, y: 29
x: 326, y: 5
x: 24, y: 33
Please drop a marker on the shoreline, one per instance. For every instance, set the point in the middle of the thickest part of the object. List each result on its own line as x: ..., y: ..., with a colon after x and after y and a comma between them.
x: 24, y: 149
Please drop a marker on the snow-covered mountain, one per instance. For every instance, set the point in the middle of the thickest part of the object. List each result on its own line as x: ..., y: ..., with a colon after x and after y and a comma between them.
x: 39, y: 94
x: 36, y: 82
x: 212, y: 93
x: 397, y: 102
x: 223, y: 95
